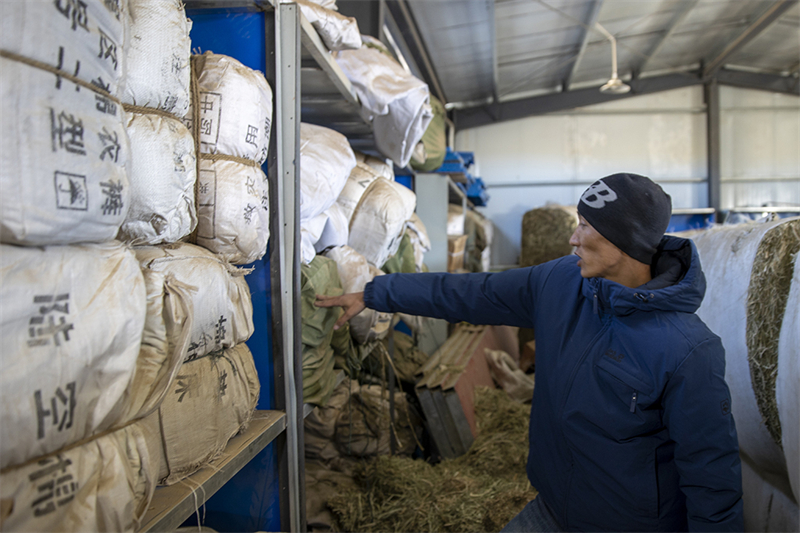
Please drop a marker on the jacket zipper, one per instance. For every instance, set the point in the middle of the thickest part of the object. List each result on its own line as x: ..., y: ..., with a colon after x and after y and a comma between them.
x: 633, y: 401
x: 594, y: 304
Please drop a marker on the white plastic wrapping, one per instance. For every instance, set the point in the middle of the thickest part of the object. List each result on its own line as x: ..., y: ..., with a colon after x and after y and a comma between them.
x: 163, y: 171
x: 355, y: 273
x: 420, y: 241
x: 379, y: 166
x: 360, y: 178
x: 787, y: 386
x: 235, y: 108
x: 310, y: 232
x: 326, y: 161
x: 220, y: 305
x: 336, y: 230
x: 158, y: 56
x: 83, y: 38
x: 233, y: 210
x: 103, y: 485
x: 337, y: 31
x: 397, y: 103
x: 71, y: 323
x: 727, y: 254
x: 379, y: 220
x: 62, y: 166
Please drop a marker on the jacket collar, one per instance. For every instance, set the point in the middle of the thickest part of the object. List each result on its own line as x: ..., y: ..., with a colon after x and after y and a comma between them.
x: 678, y: 283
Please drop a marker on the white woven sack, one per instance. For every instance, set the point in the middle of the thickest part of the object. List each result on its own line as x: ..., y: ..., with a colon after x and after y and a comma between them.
x: 455, y: 220
x: 71, y: 323
x: 220, y: 391
x: 222, y: 312
x: 354, y: 274
x: 235, y: 108
x: 727, y: 254
x: 233, y: 210
x: 420, y: 241
x: 361, y: 177
x: 336, y: 230
x: 62, y: 166
x: 336, y: 31
x: 310, y: 232
x: 163, y: 171
x: 326, y: 161
x: 83, y: 38
x: 379, y: 166
x: 158, y: 56
x: 327, y: 4
x: 379, y: 220
x: 105, y: 484
x: 397, y: 103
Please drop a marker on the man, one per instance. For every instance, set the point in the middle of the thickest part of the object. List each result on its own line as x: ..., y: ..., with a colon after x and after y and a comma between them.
x: 630, y: 426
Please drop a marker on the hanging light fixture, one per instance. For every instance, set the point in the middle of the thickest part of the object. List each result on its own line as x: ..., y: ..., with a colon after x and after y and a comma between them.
x: 614, y: 85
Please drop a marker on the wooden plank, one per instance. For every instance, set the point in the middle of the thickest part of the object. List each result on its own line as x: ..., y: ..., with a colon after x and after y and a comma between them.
x: 173, y: 504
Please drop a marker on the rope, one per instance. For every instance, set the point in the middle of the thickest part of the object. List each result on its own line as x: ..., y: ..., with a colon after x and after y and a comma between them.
x: 130, y: 108
x: 223, y: 157
x: 194, y: 89
x: 58, y: 72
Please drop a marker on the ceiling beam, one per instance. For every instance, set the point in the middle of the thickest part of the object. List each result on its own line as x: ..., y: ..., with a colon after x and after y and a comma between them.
x: 590, y: 21
x: 562, y: 101
x: 759, y: 24
x: 495, y: 69
x: 678, y: 17
x: 755, y: 80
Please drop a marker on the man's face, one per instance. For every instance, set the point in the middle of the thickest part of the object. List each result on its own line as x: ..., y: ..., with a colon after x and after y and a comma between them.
x: 598, y: 257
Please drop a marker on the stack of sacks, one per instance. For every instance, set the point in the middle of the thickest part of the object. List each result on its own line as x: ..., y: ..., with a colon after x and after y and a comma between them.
x: 199, y: 305
x: 156, y: 94
x: 379, y: 220
x: 337, y: 31
x: 366, y: 171
x: 354, y: 273
x: 231, y: 124
x: 403, y: 260
x: 478, y: 229
x: 321, y: 344
x: 71, y: 315
x: 326, y: 161
x: 395, y: 102
x: 420, y: 241
x: 378, y: 165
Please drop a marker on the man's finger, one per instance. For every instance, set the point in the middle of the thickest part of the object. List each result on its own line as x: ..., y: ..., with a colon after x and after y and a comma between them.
x: 327, y: 301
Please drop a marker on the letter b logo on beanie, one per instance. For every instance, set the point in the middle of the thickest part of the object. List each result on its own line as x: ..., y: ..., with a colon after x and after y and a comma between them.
x: 598, y: 195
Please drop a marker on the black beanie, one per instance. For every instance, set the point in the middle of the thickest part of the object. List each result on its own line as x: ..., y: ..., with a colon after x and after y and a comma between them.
x: 629, y: 210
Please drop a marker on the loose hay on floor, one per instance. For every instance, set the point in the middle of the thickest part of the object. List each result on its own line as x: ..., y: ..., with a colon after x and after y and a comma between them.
x: 480, y: 491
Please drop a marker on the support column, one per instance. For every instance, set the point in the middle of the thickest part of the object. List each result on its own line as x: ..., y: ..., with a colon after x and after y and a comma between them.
x: 711, y: 95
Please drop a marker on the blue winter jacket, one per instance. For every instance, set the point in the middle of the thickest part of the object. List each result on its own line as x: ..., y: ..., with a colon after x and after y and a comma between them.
x: 631, y: 426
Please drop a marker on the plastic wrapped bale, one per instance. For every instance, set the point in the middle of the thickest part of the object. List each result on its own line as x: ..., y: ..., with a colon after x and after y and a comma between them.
x: 83, y: 38
x: 749, y: 271
x: 546, y: 232
x: 326, y: 161
x: 360, y: 178
x: 320, y: 276
x: 354, y: 273
x: 337, y: 31
x: 235, y: 108
x: 336, y: 230
x: 379, y: 220
x: 397, y: 103
x: 63, y: 164
x: 434, y: 140
x: 72, y: 321
x: 233, y: 210
x: 403, y: 260
x: 163, y: 171
x: 220, y: 390
x: 158, y: 56
x: 105, y: 484
x: 220, y: 308
x: 420, y: 242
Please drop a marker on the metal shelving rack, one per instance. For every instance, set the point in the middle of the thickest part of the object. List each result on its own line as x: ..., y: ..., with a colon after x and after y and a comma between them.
x: 300, y: 69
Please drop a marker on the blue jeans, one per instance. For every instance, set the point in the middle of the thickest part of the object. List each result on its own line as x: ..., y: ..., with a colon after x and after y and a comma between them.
x: 535, y: 517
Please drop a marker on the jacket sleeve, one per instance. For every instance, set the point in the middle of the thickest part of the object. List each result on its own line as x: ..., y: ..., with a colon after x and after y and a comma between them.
x: 484, y: 298
x: 697, y: 412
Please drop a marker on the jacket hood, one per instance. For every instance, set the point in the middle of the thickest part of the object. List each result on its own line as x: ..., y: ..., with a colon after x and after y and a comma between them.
x: 678, y: 283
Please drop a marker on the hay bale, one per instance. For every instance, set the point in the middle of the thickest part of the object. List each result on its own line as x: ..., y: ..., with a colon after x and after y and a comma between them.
x: 479, y: 491
x: 546, y: 232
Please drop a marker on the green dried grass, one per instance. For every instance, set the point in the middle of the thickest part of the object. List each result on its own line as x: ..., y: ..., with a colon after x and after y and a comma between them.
x: 480, y: 491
